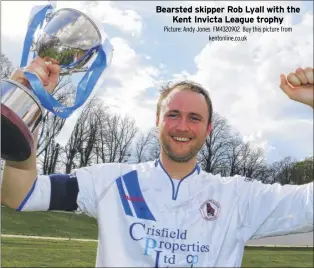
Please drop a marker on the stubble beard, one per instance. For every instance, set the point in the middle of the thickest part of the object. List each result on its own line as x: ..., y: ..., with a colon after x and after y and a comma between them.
x: 180, y: 159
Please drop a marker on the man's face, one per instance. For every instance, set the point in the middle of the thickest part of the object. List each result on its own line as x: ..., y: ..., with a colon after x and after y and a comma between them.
x: 183, y: 124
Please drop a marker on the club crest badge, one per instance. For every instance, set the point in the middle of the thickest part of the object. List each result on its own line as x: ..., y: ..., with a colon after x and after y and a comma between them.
x: 210, y: 210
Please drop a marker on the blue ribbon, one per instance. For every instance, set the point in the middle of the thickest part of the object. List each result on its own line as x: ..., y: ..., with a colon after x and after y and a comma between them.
x: 84, y: 88
x: 36, y: 21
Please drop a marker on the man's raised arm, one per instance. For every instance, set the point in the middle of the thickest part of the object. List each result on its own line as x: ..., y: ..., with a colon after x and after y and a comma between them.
x: 19, y: 177
x: 272, y: 209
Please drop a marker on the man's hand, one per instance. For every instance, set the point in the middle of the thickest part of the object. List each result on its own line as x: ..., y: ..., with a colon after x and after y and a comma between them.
x: 299, y: 86
x: 46, y: 69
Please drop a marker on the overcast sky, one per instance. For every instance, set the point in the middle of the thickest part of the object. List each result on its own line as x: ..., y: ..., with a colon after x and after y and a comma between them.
x: 242, y: 77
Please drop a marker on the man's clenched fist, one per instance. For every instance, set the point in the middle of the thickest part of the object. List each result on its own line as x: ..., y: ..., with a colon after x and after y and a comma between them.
x: 299, y: 85
x: 46, y: 69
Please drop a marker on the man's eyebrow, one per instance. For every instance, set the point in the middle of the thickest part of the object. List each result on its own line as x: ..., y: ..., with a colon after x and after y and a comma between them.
x: 190, y: 113
x: 196, y: 114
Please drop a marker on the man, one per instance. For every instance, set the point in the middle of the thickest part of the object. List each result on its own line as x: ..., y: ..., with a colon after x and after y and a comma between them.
x: 168, y: 212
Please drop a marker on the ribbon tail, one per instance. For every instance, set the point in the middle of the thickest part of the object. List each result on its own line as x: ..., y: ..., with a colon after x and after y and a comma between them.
x: 37, y: 18
x: 66, y: 131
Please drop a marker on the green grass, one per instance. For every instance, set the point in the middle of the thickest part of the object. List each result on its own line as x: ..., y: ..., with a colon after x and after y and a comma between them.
x: 278, y: 257
x: 48, y: 224
x: 18, y: 252
x: 53, y: 253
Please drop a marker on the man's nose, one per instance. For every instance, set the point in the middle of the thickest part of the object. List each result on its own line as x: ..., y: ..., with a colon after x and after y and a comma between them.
x: 182, y: 125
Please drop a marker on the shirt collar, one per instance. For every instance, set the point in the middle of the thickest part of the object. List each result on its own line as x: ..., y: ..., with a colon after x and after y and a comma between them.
x: 196, y: 169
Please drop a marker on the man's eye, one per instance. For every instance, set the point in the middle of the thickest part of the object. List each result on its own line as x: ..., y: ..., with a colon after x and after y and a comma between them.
x: 172, y: 115
x: 195, y: 119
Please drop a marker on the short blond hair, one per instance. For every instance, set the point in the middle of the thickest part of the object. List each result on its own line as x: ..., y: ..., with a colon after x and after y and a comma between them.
x: 186, y: 85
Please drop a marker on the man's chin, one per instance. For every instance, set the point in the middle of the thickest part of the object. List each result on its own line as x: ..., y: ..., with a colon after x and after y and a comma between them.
x: 180, y: 158
x: 178, y: 154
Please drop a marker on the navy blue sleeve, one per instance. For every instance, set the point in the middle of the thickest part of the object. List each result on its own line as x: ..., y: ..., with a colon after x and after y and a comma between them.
x: 64, y: 191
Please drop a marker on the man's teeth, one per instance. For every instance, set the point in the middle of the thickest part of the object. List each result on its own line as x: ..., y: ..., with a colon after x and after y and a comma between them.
x: 181, y: 138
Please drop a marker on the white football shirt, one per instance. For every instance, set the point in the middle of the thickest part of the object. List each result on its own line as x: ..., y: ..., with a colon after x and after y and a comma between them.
x: 147, y: 219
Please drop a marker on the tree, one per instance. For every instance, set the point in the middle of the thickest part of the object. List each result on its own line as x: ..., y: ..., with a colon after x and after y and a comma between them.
x: 213, y: 155
x: 154, y: 148
x: 48, y: 151
x: 253, y: 164
x: 120, y: 134
x: 145, y: 147
x: 100, y: 147
x: 125, y: 137
x: 281, y: 171
x: 289, y: 171
x: 234, y: 160
x: 82, y: 139
x: 115, y: 137
x: 141, y: 147
x: 6, y: 67
x: 302, y: 172
x: 226, y: 154
x: 91, y: 126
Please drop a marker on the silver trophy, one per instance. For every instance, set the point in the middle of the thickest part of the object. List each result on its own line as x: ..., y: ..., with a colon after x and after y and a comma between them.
x: 71, y: 38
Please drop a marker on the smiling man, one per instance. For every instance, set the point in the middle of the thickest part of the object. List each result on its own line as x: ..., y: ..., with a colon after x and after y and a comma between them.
x: 184, y: 114
x: 168, y: 213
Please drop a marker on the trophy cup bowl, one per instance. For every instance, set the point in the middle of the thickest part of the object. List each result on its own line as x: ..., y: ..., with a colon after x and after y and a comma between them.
x: 71, y: 38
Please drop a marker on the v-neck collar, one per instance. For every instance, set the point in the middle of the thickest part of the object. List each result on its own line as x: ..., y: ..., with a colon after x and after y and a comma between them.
x: 175, y: 190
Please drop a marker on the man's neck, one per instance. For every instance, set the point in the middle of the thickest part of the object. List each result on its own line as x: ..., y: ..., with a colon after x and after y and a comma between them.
x: 177, y: 170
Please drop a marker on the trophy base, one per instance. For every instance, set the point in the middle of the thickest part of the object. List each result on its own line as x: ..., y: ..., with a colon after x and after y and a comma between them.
x: 16, y: 139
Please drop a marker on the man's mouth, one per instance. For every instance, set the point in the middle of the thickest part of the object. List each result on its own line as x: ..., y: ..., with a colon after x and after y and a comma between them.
x: 181, y: 139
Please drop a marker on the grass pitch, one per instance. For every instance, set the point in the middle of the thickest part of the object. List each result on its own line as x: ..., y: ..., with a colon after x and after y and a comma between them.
x: 287, y: 257
x: 18, y: 252
x: 53, y: 224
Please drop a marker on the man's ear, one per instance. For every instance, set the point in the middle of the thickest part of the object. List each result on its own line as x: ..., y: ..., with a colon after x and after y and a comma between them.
x: 157, y: 119
x: 209, y: 128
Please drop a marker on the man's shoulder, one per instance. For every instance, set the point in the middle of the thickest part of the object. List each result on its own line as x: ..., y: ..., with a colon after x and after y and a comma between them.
x: 219, y: 178
x: 117, y: 169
